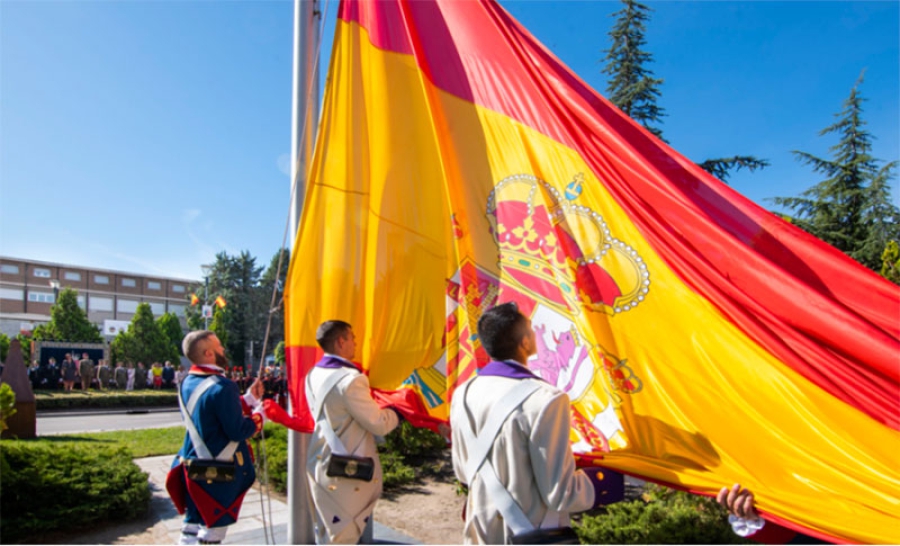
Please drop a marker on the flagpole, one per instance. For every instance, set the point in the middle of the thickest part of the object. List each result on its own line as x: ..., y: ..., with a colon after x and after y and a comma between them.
x: 305, y: 103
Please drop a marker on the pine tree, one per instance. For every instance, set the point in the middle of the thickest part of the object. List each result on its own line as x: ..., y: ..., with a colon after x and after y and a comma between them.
x: 851, y: 209
x: 274, y: 280
x: 68, y: 322
x: 634, y: 90
x: 632, y: 87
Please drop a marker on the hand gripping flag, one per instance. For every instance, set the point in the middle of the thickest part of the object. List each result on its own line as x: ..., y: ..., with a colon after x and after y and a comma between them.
x: 702, y: 340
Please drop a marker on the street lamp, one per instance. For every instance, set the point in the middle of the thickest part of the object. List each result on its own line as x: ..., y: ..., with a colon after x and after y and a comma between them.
x: 207, y: 269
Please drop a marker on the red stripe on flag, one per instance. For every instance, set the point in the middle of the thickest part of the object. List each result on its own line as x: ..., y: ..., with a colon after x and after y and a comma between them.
x: 815, y: 309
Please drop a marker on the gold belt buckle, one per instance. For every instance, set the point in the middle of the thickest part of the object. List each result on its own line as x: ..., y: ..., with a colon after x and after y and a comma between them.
x: 352, y: 468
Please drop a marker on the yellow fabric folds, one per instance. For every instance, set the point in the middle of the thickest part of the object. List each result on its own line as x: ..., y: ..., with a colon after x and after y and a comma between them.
x: 424, y: 209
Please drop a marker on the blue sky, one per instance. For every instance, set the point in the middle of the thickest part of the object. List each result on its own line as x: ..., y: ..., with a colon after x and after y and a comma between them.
x: 148, y: 136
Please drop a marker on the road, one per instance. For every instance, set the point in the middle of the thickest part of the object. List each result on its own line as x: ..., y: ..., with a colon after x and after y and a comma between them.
x: 100, y: 421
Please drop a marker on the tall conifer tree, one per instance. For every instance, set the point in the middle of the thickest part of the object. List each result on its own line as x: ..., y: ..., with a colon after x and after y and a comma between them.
x: 632, y: 86
x: 634, y: 90
x: 851, y: 209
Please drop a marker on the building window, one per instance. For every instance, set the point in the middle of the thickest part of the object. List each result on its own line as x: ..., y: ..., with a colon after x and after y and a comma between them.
x: 101, y: 279
x: 126, y: 306
x: 12, y: 294
x: 41, y: 272
x: 82, y: 303
x: 72, y: 276
x: 153, y: 285
x: 178, y: 288
x: 40, y: 297
x: 177, y: 309
x: 129, y: 283
x: 101, y: 304
x: 9, y: 268
x: 157, y: 308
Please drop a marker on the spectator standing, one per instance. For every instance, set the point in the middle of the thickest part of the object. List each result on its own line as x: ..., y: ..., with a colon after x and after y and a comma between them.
x: 156, y: 373
x: 68, y: 371
x: 132, y: 374
x: 103, y: 374
x: 168, y: 375
x: 140, y: 377
x: 121, y: 376
x: 86, y: 371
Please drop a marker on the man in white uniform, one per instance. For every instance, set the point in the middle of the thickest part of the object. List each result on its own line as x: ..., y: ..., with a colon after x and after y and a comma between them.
x: 339, y: 399
x: 511, y: 443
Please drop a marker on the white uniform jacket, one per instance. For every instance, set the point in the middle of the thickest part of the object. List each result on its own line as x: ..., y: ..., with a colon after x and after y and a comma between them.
x: 531, y: 456
x: 343, y: 506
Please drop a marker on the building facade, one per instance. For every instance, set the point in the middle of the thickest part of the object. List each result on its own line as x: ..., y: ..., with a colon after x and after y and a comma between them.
x: 28, y: 289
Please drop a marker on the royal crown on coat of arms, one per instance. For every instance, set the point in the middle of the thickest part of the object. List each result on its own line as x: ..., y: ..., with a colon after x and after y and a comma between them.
x: 562, y: 251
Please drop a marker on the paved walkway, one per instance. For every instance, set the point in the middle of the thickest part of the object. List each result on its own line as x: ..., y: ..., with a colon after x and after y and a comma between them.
x: 249, y: 529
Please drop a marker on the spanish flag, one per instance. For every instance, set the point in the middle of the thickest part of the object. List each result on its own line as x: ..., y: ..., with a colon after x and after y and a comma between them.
x: 194, y: 299
x: 220, y: 301
x: 702, y: 340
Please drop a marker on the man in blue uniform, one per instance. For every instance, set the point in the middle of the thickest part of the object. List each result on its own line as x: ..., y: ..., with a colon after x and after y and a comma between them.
x: 219, y: 423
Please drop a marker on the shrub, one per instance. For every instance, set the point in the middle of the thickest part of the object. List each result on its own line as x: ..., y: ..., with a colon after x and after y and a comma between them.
x: 47, y: 487
x: 276, y: 457
x: 50, y: 400
x: 407, y: 454
x: 7, y: 404
x: 662, y: 516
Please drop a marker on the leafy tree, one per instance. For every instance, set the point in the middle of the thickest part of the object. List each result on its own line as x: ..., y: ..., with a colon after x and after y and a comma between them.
x: 279, y: 353
x: 4, y: 347
x: 634, y: 90
x: 218, y: 326
x: 273, y: 280
x: 170, y: 326
x: 851, y: 209
x: 68, y: 321
x: 143, y: 341
x: 632, y: 86
x: 890, y: 262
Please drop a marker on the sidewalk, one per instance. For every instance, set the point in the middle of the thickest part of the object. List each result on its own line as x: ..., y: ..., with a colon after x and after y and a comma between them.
x: 249, y: 529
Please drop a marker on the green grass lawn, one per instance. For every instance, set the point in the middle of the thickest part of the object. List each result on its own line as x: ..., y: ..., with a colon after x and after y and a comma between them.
x: 142, y: 443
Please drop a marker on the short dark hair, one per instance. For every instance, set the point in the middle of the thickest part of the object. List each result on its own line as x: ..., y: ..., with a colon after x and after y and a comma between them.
x: 501, y: 330
x: 191, y: 344
x: 328, y: 333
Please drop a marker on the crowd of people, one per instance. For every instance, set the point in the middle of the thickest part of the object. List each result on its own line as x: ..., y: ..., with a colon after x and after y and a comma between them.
x: 84, y: 374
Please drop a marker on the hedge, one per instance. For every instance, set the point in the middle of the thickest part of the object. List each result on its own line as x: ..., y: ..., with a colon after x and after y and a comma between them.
x: 52, y: 400
x: 47, y: 488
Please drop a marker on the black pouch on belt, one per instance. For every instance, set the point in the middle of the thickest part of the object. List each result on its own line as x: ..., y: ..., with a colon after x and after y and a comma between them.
x: 348, y: 466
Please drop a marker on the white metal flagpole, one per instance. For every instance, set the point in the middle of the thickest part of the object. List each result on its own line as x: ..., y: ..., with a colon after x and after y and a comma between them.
x: 305, y: 116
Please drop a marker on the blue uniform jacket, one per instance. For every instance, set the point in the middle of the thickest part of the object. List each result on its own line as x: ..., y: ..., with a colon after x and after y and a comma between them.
x: 219, y: 418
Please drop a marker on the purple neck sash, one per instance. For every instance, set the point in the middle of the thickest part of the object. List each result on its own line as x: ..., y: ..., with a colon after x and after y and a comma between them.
x: 331, y: 361
x: 507, y: 368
